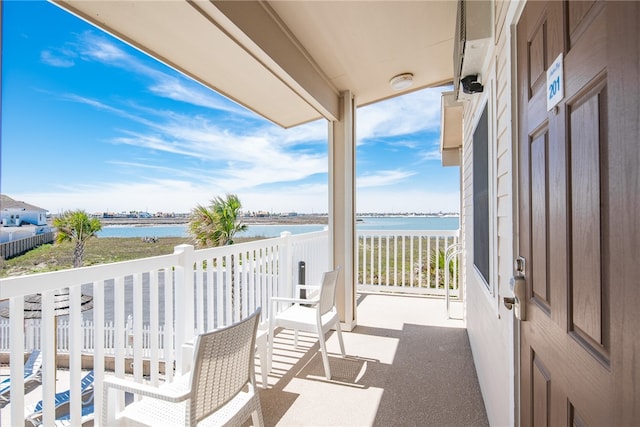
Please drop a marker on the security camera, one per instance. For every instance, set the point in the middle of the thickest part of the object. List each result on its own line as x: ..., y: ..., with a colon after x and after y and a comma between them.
x: 471, y: 85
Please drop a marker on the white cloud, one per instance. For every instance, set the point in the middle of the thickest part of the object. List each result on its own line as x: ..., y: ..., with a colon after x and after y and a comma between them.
x: 429, y: 155
x: 424, y: 201
x: 383, y: 178
x: 181, y: 196
x: 194, y: 94
x: 62, y: 61
x: 236, y: 160
x: 172, y: 195
x: 98, y: 105
x: 414, y: 112
x: 101, y: 48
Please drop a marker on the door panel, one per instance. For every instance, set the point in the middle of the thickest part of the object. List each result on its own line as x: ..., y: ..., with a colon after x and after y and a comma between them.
x: 587, y: 141
x: 577, y: 351
x: 539, y: 213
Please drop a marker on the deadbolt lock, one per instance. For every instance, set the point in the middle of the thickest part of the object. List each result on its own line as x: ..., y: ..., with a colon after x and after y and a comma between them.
x: 509, y: 302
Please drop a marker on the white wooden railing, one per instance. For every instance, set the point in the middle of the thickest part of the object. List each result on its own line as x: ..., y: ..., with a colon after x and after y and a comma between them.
x: 185, y: 292
x: 407, y: 261
x: 145, y: 310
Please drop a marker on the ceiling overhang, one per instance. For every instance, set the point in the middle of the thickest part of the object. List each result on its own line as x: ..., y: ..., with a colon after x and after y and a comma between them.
x: 288, y: 61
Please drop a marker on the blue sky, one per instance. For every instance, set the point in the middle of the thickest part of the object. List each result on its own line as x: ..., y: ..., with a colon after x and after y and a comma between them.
x: 89, y: 122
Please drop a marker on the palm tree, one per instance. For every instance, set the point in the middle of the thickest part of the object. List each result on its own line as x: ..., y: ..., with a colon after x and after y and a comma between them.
x: 77, y: 227
x: 438, y: 260
x: 216, y: 225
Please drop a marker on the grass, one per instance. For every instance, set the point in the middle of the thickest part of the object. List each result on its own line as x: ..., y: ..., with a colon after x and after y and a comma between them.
x: 102, y: 250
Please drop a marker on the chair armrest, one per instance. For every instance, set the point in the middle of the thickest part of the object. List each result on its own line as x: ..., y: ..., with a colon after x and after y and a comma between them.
x: 295, y: 300
x: 167, y: 394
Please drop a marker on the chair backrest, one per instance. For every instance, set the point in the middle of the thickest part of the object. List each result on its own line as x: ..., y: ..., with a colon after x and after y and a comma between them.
x: 33, y: 364
x: 87, y: 381
x: 223, y: 365
x: 328, y: 291
x: 31, y: 372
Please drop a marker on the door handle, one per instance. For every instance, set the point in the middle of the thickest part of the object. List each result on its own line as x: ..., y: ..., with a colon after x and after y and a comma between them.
x: 517, y: 303
x: 518, y: 287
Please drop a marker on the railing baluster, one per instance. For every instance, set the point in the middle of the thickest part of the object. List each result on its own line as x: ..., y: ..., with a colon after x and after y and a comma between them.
x: 75, y: 356
x: 199, y: 295
x: 420, y: 258
x: 210, y: 293
x: 411, y: 267
x: 219, y: 292
x: 99, y: 329
x: 119, y: 323
x: 154, y: 327
x: 168, y: 335
x: 138, y: 320
x: 387, y: 262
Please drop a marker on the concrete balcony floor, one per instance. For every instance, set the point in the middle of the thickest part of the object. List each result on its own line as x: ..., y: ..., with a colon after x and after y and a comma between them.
x: 406, y: 365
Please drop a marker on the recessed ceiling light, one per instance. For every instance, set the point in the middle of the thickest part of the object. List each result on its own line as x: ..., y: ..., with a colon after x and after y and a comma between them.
x: 401, y: 81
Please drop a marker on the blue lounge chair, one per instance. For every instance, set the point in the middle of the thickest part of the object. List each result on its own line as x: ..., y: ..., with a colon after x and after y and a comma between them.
x: 34, y: 415
x: 86, y: 419
x: 32, y: 368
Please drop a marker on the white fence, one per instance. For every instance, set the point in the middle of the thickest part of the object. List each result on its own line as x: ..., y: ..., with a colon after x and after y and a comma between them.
x: 33, y: 337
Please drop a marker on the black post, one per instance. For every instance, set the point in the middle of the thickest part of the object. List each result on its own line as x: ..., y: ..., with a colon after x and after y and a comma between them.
x: 302, y: 278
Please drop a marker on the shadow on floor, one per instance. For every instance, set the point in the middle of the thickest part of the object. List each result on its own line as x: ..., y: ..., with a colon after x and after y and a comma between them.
x: 430, y: 380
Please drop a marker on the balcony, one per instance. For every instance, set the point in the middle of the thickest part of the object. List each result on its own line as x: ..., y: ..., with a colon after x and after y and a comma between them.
x: 407, y: 363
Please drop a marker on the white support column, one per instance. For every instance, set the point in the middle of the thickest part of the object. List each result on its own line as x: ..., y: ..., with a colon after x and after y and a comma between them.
x: 342, y: 207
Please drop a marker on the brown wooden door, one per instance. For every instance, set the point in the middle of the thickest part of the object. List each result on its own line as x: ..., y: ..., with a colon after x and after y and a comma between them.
x: 579, y: 214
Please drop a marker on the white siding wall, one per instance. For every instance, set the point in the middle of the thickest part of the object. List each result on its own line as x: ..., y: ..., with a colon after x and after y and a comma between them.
x: 490, y: 324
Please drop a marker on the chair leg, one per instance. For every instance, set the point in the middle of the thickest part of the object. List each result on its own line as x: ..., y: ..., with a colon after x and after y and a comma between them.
x: 262, y: 344
x: 256, y: 414
x: 270, y: 339
x: 256, y: 417
x: 325, y: 357
x: 339, y: 332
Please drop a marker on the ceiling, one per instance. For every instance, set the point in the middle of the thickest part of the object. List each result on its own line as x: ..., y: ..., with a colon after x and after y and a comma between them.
x: 288, y: 60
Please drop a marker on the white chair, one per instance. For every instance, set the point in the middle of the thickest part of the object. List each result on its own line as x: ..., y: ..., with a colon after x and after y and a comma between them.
x: 219, y: 390
x: 317, y: 314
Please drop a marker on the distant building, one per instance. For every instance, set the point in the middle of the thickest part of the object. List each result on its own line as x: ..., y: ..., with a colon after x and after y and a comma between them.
x: 16, y: 213
x: 20, y: 220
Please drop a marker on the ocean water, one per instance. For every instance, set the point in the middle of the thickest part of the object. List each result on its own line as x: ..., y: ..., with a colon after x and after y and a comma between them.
x: 364, y: 223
